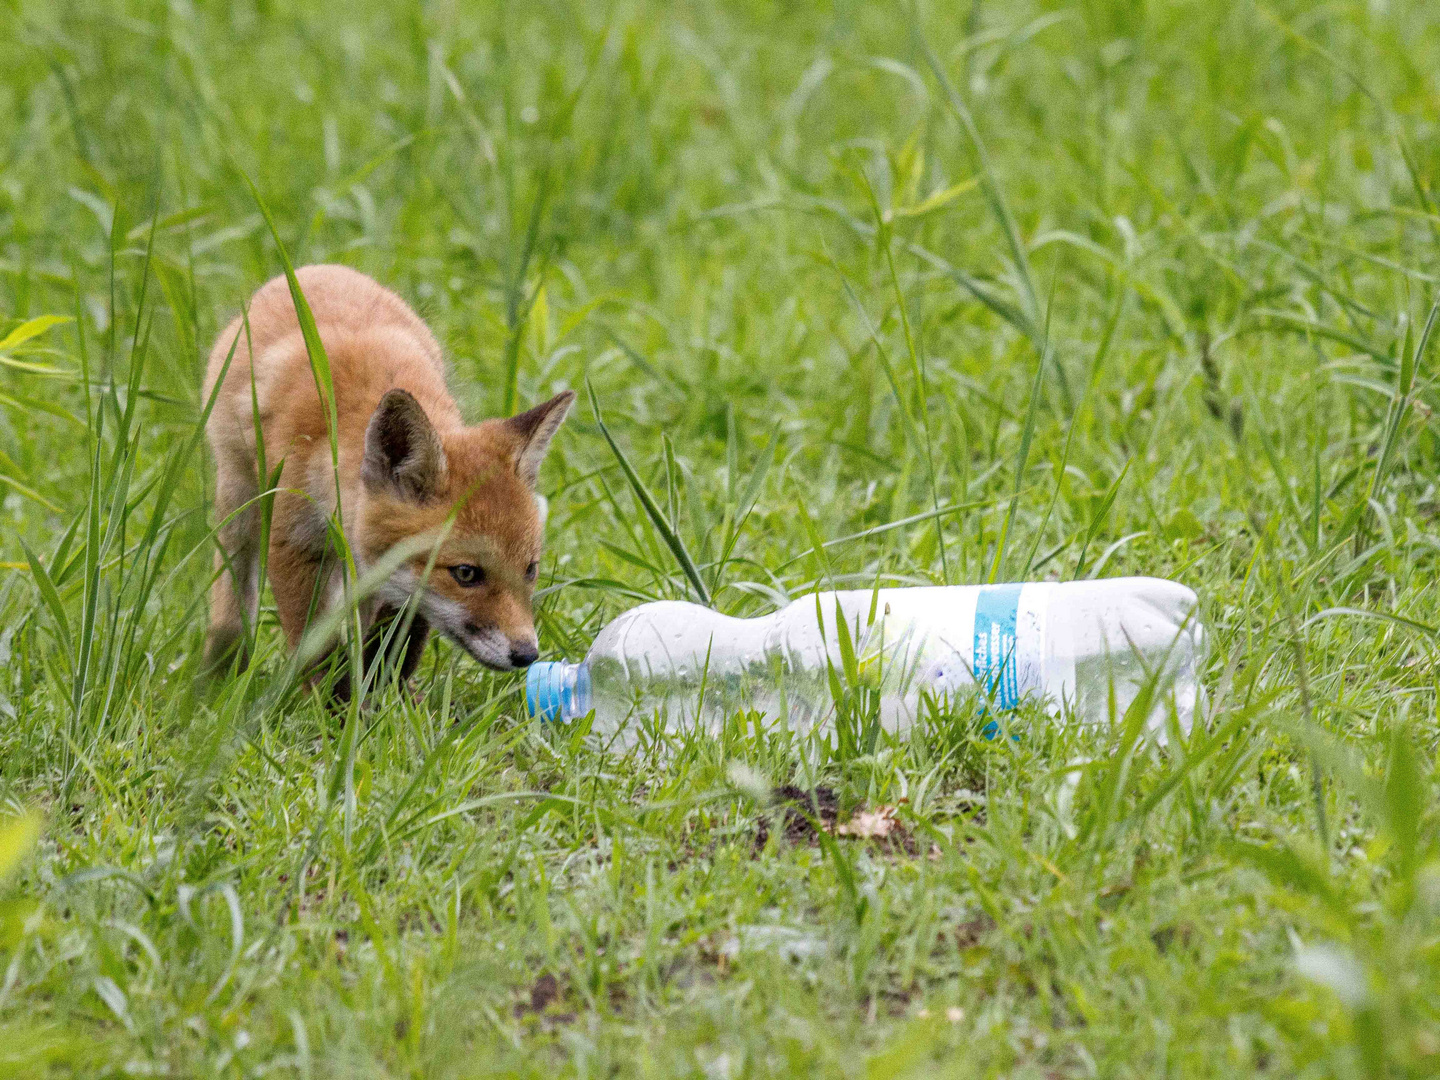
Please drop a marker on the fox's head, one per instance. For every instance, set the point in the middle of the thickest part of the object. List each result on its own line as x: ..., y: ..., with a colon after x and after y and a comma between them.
x: 480, y: 482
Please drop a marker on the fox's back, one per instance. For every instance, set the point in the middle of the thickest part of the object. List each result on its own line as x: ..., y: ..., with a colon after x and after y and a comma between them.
x: 373, y: 340
x: 338, y: 297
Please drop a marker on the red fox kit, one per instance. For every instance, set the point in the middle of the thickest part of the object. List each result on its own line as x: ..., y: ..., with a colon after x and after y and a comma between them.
x: 408, y: 464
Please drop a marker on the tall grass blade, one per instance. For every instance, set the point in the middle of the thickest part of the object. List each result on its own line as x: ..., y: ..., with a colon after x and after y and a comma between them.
x: 1030, y: 304
x: 652, y: 508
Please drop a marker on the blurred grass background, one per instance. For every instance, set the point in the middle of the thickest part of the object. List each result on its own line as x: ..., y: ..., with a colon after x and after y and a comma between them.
x: 1085, y: 288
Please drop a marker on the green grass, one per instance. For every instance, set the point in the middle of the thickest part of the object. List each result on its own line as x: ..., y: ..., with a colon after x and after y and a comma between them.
x: 1141, y: 287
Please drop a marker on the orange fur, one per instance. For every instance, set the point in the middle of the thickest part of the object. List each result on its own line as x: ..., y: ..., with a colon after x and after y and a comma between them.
x: 408, y: 464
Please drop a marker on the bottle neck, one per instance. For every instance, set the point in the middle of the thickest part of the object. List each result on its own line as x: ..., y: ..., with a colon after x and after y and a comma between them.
x: 580, y: 700
x: 558, y: 691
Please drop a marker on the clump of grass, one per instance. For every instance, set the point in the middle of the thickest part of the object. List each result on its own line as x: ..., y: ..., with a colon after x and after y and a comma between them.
x: 864, y: 297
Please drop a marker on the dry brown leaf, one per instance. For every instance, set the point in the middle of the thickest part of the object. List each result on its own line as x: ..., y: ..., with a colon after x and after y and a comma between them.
x: 870, y: 824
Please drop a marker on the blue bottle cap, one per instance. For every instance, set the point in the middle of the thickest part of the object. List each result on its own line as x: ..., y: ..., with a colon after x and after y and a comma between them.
x: 545, y: 689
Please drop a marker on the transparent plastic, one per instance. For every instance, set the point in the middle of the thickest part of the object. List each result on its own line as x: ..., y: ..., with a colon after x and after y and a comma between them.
x: 1068, y: 645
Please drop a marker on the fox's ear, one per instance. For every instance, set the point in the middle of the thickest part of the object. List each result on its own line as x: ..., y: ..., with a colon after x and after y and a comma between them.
x: 403, y: 455
x: 533, y: 431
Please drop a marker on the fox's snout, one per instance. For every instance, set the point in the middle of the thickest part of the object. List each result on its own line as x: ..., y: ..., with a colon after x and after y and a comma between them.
x: 499, y: 649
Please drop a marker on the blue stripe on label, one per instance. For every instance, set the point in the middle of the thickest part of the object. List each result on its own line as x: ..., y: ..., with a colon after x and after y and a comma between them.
x: 994, y: 656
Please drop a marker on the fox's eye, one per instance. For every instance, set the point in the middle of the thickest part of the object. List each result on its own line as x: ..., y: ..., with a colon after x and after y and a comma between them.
x: 531, y: 571
x: 467, y: 576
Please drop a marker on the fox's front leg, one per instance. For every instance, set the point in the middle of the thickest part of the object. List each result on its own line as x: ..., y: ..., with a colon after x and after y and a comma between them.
x: 307, y: 588
x: 406, y: 656
x: 385, y: 652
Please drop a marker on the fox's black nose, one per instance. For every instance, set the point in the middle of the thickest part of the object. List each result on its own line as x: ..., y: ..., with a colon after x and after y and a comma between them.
x: 523, y: 655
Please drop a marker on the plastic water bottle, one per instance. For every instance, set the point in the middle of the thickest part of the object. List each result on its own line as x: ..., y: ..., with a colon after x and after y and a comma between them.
x: 1083, y: 648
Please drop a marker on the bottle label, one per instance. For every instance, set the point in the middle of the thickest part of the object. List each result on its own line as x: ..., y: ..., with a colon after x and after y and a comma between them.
x: 995, y: 667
